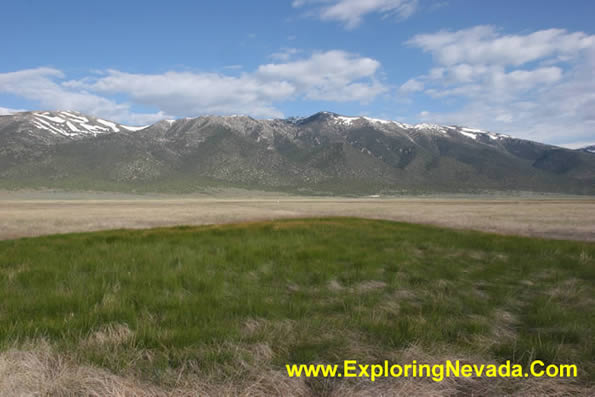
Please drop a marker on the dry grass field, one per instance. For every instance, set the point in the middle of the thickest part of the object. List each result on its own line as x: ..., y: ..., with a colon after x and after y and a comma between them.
x: 33, y: 214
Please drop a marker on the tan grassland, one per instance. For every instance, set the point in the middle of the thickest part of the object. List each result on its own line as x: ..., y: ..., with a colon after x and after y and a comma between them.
x: 40, y: 371
x: 32, y: 214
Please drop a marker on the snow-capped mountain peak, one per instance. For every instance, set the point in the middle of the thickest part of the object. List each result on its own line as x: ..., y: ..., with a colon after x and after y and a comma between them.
x: 48, y: 125
x: 588, y: 149
x: 358, y: 121
x: 303, y: 153
x: 74, y: 124
x: 474, y: 133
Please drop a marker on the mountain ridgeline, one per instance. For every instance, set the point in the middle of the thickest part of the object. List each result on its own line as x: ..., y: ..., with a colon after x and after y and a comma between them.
x: 322, y: 154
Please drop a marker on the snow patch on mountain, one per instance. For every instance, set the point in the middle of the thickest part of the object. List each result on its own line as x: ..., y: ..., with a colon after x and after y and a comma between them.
x: 468, y: 134
x: 42, y: 127
x: 349, y: 120
x: 69, y: 124
x: 72, y: 127
x: 379, y: 121
x: 74, y: 116
x: 109, y: 124
x: 430, y: 127
x: 473, y: 130
x: 131, y: 128
x: 40, y: 123
x: 53, y: 119
x: 345, y: 120
x: 474, y: 133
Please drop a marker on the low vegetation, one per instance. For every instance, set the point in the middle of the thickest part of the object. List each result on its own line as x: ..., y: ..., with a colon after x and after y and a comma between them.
x: 222, y: 309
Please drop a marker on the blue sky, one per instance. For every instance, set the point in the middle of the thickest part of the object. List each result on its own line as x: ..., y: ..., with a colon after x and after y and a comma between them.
x: 526, y: 68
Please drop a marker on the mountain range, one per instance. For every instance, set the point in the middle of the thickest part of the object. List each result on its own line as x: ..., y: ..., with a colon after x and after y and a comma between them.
x: 325, y: 153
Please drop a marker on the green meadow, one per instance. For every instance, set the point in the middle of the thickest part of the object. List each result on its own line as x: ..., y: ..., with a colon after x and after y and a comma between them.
x: 225, y: 303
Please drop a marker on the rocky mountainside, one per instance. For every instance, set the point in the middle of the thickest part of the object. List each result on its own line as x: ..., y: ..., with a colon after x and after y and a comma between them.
x: 323, y: 153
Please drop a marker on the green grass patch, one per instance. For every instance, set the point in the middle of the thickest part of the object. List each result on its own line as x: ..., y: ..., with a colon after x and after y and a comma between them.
x: 297, y: 291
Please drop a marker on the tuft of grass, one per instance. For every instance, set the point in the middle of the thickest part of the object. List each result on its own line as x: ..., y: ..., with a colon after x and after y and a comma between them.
x: 217, y: 302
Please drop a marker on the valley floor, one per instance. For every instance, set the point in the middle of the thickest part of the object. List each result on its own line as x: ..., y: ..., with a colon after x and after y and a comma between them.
x: 221, y: 310
x: 25, y: 214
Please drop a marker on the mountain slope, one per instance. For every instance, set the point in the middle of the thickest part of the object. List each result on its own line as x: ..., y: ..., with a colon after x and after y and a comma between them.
x: 325, y: 152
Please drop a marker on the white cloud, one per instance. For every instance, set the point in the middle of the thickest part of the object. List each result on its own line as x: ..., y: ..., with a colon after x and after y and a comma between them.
x: 539, y: 85
x: 411, y: 85
x: 329, y: 76
x: 477, y: 80
x: 485, y: 45
x: 8, y: 111
x: 186, y: 93
x: 352, y: 12
x: 43, y: 86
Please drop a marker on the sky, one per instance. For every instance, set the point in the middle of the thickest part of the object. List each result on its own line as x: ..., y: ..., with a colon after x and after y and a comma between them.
x: 524, y: 68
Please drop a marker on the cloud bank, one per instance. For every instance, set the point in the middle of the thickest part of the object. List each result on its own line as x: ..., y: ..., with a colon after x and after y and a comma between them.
x: 539, y: 85
x: 336, y: 76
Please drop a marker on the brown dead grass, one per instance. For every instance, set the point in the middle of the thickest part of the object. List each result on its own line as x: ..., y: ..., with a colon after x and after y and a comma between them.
x: 370, y: 285
x: 38, y: 370
x: 111, y: 334
x: 42, y: 372
x: 555, y: 218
